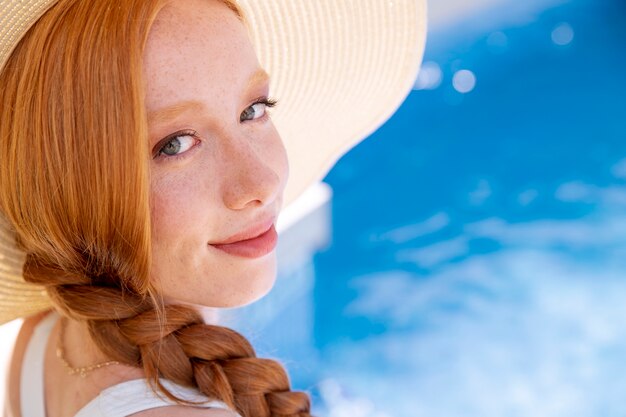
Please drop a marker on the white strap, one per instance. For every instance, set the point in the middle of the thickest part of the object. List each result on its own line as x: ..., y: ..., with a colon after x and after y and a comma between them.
x: 32, y: 396
x: 118, y: 400
x: 131, y: 397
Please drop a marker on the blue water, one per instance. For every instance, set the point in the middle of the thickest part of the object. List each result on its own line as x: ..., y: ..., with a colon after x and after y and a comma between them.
x: 478, y: 257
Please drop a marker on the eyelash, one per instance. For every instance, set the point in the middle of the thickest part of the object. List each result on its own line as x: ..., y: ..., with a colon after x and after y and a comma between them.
x: 159, y: 148
x: 268, y: 102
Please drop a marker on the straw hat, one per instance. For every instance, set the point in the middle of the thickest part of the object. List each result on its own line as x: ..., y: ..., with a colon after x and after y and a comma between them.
x: 339, y: 67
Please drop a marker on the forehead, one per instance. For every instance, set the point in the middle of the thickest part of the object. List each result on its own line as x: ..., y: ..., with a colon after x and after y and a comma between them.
x: 196, y: 49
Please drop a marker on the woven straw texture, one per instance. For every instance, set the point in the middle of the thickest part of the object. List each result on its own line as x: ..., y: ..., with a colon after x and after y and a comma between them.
x: 340, y: 68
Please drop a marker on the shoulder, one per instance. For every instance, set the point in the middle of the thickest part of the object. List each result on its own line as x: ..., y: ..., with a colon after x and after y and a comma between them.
x: 137, y: 398
x: 184, y: 411
x: 12, y: 402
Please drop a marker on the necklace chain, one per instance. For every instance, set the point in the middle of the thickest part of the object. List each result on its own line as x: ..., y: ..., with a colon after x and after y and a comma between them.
x: 80, y: 370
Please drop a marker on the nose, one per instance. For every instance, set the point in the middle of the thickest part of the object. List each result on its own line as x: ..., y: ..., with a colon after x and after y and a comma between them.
x: 252, y: 174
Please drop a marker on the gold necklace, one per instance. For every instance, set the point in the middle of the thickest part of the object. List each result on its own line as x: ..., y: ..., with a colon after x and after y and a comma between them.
x: 80, y: 370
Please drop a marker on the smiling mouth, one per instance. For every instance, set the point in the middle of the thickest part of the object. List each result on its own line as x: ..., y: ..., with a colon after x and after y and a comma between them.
x: 253, y: 247
x: 250, y: 233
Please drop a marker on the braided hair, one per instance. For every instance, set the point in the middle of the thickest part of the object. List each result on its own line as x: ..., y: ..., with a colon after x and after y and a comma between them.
x: 82, y: 214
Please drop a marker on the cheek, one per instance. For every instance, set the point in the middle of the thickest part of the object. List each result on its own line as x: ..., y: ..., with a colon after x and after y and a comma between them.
x: 278, y: 153
x: 176, y: 205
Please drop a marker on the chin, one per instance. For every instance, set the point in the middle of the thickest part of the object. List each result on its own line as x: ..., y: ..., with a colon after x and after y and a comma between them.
x: 256, y: 290
x: 234, y: 299
x: 235, y: 290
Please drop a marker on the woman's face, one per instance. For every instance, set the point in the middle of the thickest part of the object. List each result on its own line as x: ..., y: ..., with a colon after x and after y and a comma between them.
x: 218, y: 165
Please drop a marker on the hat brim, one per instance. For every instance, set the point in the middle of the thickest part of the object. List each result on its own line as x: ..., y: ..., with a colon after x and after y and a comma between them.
x: 340, y: 69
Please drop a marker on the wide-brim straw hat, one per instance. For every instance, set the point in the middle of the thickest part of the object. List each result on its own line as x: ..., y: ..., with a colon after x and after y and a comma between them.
x: 340, y: 69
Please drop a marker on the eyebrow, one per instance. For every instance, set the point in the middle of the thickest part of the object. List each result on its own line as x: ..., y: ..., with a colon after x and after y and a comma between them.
x: 259, y: 77
x: 175, y: 110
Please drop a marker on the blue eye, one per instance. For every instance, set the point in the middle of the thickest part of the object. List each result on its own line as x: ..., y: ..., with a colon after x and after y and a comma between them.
x: 257, y: 110
x: 176, y: 144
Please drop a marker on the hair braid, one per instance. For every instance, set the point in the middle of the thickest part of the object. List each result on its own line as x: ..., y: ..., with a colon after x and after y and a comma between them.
x: 81, y: 211
x: 174, y: 343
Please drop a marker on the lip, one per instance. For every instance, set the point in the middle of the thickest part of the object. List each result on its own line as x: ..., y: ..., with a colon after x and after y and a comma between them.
x: 252, y: 248
x: 251, y: 233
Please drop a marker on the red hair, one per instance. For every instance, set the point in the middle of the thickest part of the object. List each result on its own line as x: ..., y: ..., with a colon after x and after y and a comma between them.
x: 74, y: 184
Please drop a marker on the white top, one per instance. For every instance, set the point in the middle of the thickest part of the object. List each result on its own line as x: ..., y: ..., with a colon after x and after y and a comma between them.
x: 118, y: 400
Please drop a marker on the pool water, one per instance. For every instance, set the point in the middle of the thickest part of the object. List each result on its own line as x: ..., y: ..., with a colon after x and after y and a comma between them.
x: 478, y: 257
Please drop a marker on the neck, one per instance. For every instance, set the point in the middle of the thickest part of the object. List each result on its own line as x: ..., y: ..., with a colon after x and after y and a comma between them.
x: 79, y: 350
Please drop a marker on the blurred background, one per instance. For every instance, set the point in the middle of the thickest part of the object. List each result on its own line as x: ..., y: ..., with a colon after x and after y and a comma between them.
x: 469, y: 258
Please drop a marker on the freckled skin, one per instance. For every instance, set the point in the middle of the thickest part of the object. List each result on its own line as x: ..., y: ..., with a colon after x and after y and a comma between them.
x: 233, y: 176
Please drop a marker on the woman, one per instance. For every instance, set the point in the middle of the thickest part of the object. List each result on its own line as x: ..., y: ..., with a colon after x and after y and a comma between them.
x: 141, y: 177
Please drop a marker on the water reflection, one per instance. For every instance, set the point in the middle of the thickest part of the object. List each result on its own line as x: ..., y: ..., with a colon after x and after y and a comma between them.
x: 563, y: 34
x: 478, y: 256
